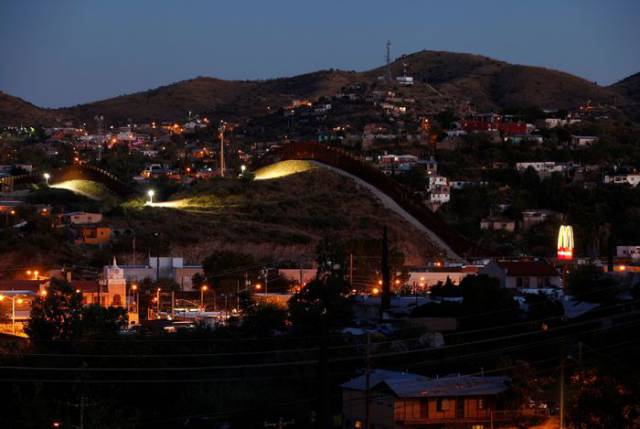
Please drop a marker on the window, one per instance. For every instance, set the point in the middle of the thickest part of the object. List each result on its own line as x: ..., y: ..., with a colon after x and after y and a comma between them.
x: 442, y: 404
x: 117, y: 300
x: 477, y: 427
x: 481, y: 404
x: 424, y: 408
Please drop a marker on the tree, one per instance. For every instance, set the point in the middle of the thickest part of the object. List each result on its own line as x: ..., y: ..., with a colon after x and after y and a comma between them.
x: 446, y: 289
x: 100, y: 322
x: 264, y: 319
x: 331, y: 258
x: 55, y: 316
x: 486, y: 303
x: 328, y: 297
x: 602, y: 402
x: 60, y: 315
x: 588, y: 283
x: 197, y: 280
x: 224, y: 264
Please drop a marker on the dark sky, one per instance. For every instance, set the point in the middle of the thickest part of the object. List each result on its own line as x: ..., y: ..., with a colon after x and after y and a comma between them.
x: 62, y: 52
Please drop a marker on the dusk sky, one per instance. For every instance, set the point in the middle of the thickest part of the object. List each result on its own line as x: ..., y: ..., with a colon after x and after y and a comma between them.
x: 60, y: 53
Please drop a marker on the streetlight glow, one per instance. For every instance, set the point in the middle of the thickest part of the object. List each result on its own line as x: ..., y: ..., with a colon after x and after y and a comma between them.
x: 46, y: 176
x: 150, y: 194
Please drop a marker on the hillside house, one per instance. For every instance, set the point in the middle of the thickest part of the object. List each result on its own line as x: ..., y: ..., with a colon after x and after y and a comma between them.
x: 632, y: 179
x: 94, y: 235
x: 498, y: 223
x: 535, y: 217
x: 543, y: 168
x: 81, y: 218
x: 583, y: 141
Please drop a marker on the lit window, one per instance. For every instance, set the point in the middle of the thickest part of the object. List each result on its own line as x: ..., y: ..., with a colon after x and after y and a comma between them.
x: 442, y: 404
x: 481, y: 404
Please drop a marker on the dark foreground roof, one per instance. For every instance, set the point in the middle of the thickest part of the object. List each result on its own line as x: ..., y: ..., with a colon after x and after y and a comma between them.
x: 405, y: 385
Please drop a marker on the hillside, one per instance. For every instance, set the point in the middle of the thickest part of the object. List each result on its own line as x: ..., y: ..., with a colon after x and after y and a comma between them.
x: 484, y: 82
x: 282, y: 218
x: 15, y: 111
x: 489, y: 84
x: 629, y: 87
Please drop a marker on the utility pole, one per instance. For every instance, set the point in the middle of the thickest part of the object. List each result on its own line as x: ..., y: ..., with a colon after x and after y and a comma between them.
x: 266, y: 281
x: 82, y: 405
x: 367, y: 381
x: 323, y: 373
x: 156, y: 235
x: 388, y: 62
x: 385, y: 300
x: 562, y: 393
x: 221, y: 130
x: 351, y: 269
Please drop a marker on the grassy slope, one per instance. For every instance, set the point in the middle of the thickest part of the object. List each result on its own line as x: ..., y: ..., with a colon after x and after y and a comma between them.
x: 277, y: 219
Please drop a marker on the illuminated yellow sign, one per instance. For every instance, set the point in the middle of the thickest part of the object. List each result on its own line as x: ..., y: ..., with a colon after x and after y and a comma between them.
x: 565, y: 242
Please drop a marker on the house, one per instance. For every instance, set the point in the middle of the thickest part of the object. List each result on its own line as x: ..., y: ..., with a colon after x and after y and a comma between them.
x: 535, y: 217
x: 583, y: 141
x: 507, y: 124
x: 632, y: 179
x: 559, y: 122
x: 526, y: 138
x: 403, y: 400
x: 81, y: 218
x: 94, y: 235
x: 544, y: 168
x: 497, y: 223
x: 632, y: 252
x: 526, y: 276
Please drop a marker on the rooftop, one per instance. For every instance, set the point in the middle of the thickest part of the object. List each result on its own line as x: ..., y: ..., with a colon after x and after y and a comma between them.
x: 407, y: 385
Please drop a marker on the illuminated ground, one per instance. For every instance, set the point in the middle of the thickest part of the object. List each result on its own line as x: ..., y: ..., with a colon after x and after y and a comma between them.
x: 283, y: 168
x: 86, y: 188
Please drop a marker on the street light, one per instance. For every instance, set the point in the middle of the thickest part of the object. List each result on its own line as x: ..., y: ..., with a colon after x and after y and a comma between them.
x: 134, y: 288
x: 150, y: 194
x: 46, y: 176
x: 202, y: 291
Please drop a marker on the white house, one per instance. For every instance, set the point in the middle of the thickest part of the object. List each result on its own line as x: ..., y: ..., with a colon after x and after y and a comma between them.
x: 623, y: 179
x: 525, y: 276
x: 582, y: 141
x: 632, y: 252
x: 81, y: 218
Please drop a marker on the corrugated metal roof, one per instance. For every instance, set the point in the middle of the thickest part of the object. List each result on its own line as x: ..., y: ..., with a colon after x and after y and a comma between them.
x: 406, y: 385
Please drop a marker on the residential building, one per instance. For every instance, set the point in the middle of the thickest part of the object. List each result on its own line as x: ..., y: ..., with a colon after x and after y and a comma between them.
x: 526, y: 276
x: 81, y: 218
x: 632, y: 252
x: 401, y: 400
x: 583, y: 141
x: 94, y: 235
x: 535, y: 217
x: 543, y: 168
x: 498, y: 223
x: 632, y: 179
x: 506, y: 124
